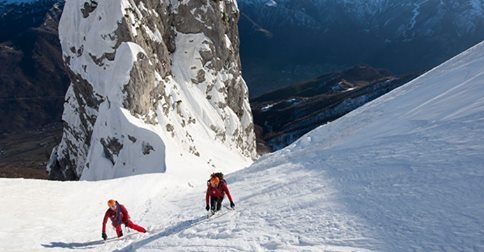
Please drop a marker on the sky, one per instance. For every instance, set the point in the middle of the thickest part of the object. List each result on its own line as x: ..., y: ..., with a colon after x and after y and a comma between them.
x: 404, y: 172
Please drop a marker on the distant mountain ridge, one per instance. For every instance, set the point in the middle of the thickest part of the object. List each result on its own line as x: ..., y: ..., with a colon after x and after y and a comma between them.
x: 285, y: 41
x: 33, y: 80
x: 408, y: 15
x: 18, y: 16
x: 284, y: 115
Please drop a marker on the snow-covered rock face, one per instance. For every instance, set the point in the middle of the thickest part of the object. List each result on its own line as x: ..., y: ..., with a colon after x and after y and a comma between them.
x: 155, y: 84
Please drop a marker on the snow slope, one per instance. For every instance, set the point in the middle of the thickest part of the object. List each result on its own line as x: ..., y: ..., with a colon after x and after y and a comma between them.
x: 402, y: 173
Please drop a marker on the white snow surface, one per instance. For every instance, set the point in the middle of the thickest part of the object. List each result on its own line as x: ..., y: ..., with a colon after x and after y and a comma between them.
x: 402, y: 173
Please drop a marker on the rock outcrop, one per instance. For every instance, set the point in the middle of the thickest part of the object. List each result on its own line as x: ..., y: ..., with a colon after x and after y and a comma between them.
x: 155, y: 86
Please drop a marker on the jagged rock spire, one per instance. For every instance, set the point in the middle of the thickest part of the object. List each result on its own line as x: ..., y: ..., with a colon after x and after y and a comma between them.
x: 153, y: 84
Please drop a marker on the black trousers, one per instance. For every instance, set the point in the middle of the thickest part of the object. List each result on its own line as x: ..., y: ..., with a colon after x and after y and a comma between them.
x: 216, y: 203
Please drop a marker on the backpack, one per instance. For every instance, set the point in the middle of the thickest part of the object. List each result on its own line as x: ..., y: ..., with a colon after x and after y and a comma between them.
x: 220, y: 177
x: 118, y: 213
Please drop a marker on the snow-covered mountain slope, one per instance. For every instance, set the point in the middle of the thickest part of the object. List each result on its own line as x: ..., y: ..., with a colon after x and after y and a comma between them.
x: 19, y: 8
x: 467, y: 15
x: 17, y: 1
x: 156, y: 87
x: 288, y: 41
x: 404, y: 172
x: 18, y: 16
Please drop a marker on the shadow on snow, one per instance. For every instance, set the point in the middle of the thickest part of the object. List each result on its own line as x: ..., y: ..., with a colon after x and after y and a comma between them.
x: 83, y: 245
x: 168, y: 231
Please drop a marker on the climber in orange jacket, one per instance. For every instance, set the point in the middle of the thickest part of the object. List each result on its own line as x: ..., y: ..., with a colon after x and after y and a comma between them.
x: 118, y: 215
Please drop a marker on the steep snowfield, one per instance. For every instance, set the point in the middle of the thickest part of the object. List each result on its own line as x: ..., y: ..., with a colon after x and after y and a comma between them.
x: 402, y: 173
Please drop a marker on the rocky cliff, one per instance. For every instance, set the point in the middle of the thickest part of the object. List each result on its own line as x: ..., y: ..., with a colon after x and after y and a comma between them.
x: 155, y: 86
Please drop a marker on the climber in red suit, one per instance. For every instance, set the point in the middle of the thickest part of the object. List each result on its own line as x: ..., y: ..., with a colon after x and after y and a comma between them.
x: 118, y: 215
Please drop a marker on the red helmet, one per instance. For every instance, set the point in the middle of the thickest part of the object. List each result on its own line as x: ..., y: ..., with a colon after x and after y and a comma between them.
x: 111, y: 203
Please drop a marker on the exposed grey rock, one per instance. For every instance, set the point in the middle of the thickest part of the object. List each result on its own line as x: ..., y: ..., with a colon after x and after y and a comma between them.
x: 152, y: 62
